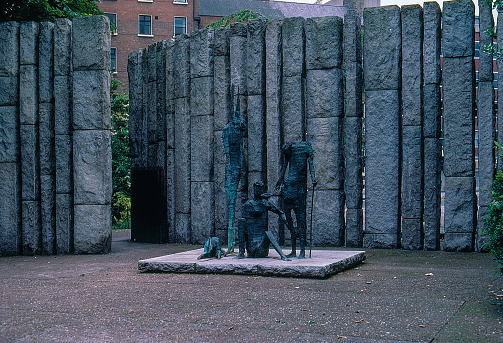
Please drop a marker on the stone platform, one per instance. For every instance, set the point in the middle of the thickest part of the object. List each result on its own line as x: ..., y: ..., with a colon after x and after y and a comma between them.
x: 323, y: 263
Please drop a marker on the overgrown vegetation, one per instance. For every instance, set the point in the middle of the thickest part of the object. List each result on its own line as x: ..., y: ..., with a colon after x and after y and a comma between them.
x: 242, y: 16
x: 46, y: 10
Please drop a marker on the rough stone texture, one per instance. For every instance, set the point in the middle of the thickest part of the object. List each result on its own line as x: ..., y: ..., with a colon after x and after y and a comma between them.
x: 91, y: 41
x: 150, y: 63
x: 324, y: 93
x: 201, y: 152
x: 8, y: 86
x: 170, y: 192
x: 255, y: 57
x: 459, y: 102
x: 326, y: 138
x: 352, y: 37
x: 221, y: 40
x: 161, y: 91
x: 382, y: 47
x: 182, y: 66
x: 10, y: 208
x: 136, y: 127
x: 201, y: 57
x: 293, y: 35
x: 220, y: 196
x: 293, y: 108
x: 202, y: 211
x: 353, y: 86
x: 238, y: 58
x: 30, y: 227
x: 46, y: 62
x: 353, y: 180
x: 222, y: 96
x: 28, y: 40
x: 482, y: 240
x: 64, y: 223
x: 92, y: 169
x: 201, y: 96
x: 382, y: 169
x: 46, y: 139
x: 63, y: 153
x: 328, y: 217
x: 354, y: 227
x: 182, y: 155
x: 432, y: 111
x: 62, y: 46
x: 182, y: 227
x: 62, y: 105
x: 150, y: 103
x: 91, y: 101
x: 486, y: 21
x: 29, y: 162
x: 458, y: 242
x: 432, y: 43
x: 256, y: 158
x: 9, y: 134
x: 458, y: 28
x: 432, y: 192
x: 47, y: 213
x: 28, y: 94
x: 99, y: 239
x: 324, y: 43
x: 412, y: 233
x: 412, y: 172
x: 9, y: 48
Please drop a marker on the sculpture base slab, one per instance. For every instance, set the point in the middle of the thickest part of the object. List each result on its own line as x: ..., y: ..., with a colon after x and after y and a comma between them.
x: 323, y: 264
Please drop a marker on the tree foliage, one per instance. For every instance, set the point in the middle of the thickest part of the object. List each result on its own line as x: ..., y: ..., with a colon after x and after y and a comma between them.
x: 494, y: 222
x: 242, y: 16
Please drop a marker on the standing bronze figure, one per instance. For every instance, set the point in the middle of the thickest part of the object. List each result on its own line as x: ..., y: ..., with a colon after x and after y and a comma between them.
x: 298, y: 156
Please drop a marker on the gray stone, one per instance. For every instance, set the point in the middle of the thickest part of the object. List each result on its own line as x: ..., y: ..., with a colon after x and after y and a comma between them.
x: 63, y: 153
x: 238, y: 60
x: 256, y: 136
x: 460, y: 242
x: 293, y: 37
x: 458, y: 28
x: 182, y: 66
x: 201, y: 96
x: 46, y: 62
x: 486, y: 21
x: 46, y: 139
x: 432, y: 42
x: 255, y: 57
x: 9, y: 48
x: 412, y: 172
x: 202, y: 211
x: 62, y: 105
x: 9, y: 134
x: 222, y: 96
x: 91, y: 100
x: 481, y: 239
x: 182, y: 227
x: 352, y: 37
x: 170, y: 96
x: 326, y: 138
x: 28, y: 40
x: 324, y: 42
x: 293, y: 109
x: 353, y: 185
x: 161, y: 96
x: 92, y: 169
x: 91, y: 42
x: 135, y: 73
x: 10, y: 207
x: 412, y: 233
x: 182, y: 155
x: 92, y: 229
x: 9, y: 90
x: 201, y: 53
x: 432, y: 111
x: 30, y: 227
x: 221, y: 41
x: 150, y: 63
x: 460, y: 205
x: 47, y: 213
x: 382, y: 48
x: 328, y: 217
x: 354, y: 227
x: 170, y: 192
x: 324, y: 93
x: 353, y: 87
x: 150, y: 107
x: 220, y: 196
x: 62, y: 46
x: 28, y: 94
x: 64, y: 223
x: 432, y: 193
x: 201, y: 152
x: 29, y: 162
x: 380, y: 241
x: 458, y: 104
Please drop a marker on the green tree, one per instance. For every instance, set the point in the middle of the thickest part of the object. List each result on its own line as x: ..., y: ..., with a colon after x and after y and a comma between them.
x: 242, y: 16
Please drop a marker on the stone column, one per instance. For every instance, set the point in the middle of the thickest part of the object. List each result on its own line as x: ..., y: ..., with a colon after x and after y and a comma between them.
x: 170, y: 140
x: 353, y: 186
x: 201, y: 136
x: 150, y: 104
x: 10, y: 168
x: 28, y: 113
x: 92, y: 169
x: 137, y: 129
x: 325, y: 116
x: 382, y: 56
x: 486, y: 122
x: 431, y: 125
x: 459, y: 129
x: 412, y: 129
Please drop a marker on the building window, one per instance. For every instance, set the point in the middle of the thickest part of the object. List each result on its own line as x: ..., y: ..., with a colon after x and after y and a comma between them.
x: 113, y: 60
x: 145, y: 25
x: 113, y: 22
x: 145, y: 0
x: 180, y: 25
x: 180, y: 2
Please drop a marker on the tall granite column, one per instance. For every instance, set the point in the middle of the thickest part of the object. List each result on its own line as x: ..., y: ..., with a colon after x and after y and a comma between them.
x: 325, y: 116
x: 431, y: 125
x: 412, y: 129
x: 201, y: 135
x: 459, y: 130
x: 150, y: 103
x: 10, y: 168
x: 486, y: 121
x: 382, y: 57
x: 28, y: 114
x: 170, y: 140
x: 353, y: 186
x: 92, y: 156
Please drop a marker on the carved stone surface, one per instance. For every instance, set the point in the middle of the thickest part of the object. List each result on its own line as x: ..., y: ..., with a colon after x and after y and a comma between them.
x: 353, y: 185
x: 28, y: 38
x: 63, y: 160
x: 201, y: 152
x: 10, y: 207
x: 9, y: 48
x: 324, y: 43
x: 412, y: 173
x: 46, y: 62
x: 432, y: 111
x: 486, y: 21
x: 328, y: 216
x: 28, y: 94
x: 255, y: 60
x: 29, y: 162
x: 47, y: 213
x: 99, y: 239
x: 458, y: 242
x: 293, y: 36
x: 30, y: 227
x: 324, y: 93
x: 46, y: 139
x: 201, y: 56
x: 182, y: 66
x: 201, y: 96
x: 64, y: 223
x: 221, y: 42
x: 432, y: 192
x: 411, y: 233
x: 458, y: 29
x: 222, y: 93
x: 460, y: 206
x: 354, y: 227
x: 432, y: 43
x: 91, y: 104
x: 62, y: 46
x: 293, y: 108
x: 353, y: 84
x: 352, y: 37
x: 62, y: 105
x: 9, y: 134
x: 91, y: 51
x: 9, y: 86
x: 202, y: 201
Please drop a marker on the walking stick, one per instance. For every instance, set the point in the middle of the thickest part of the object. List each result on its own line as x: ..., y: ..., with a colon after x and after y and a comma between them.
x: 311, y: 223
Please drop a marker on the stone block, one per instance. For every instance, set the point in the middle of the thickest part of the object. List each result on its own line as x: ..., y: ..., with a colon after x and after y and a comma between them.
x: 255, y: 57
x: 487, y: 135
x: 182, y: 227
x: 293, y: 109
x: 201, y: 53
x: 326, y: 138
x: 238, y: 60
x: 92, y: 229
x: 412, y: 104
x: 92, y: 169
x: 328, y: 217
x: 91, y: 42
x: 63, y: 153
x: 28, y: 41
x: 432, y: 42
x: 135, y: 72
x: 432, y: 193
x: 222, y: 96
x: 62, y: 105
x: 220, y: 196
x: 460, y: 242
x: 412, y: 233
x: 202, y: 216
x: 458, y: 104
x: 29, y: 162
x: 9, y: 134
x: 352, y: 37
x: 380, y: 241
x: 182, y: 196
x: 47, y: 213
x: 28, y: 94
x: 182, y: 66
x: 149, y: 63
x: 354, y: 227
x: 221, y: 41
x: 46, y: 139
x: 201, y: 151
x: 432, y: 111
x: 46, y: 62
x: 481, y: 239
x: 62, y: 46
x: 412, y: 172
x: 324, y: 93
x: 201, y: 96
x: 486, y: 21
x: 182, y: 155
x: 382, y: 48
x: 9, y: 90
x: 353, y: 185
x: 293, y: 37
x: 354, y: 89
x: 256, y: 134
x: 324, y: 42
x: 460, y: 205
x: 10, y: 207
x: 458, y: 29
x: 161, y: 96
x: 91, y: 100
x: 150, y: 108
x: 9, y: 48
x: 64, y: 223
x: 30, y: 227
